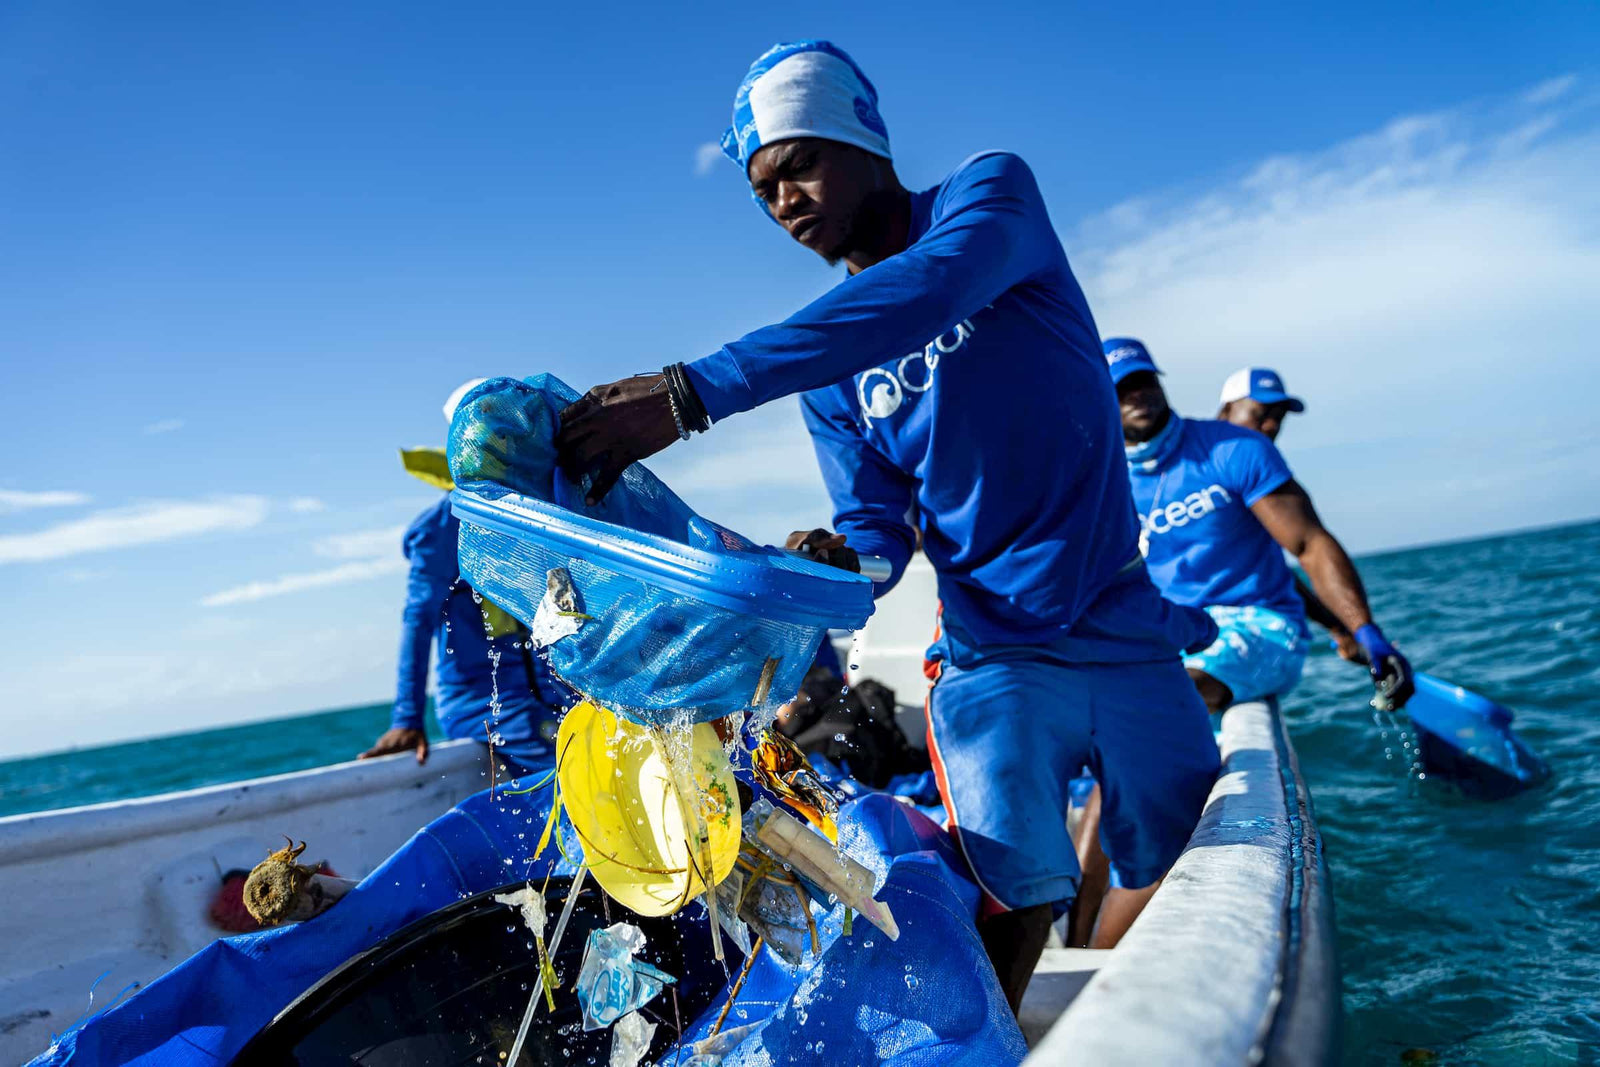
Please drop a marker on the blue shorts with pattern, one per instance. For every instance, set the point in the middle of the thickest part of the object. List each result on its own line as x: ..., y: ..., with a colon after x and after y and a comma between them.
x: 1259, y: 652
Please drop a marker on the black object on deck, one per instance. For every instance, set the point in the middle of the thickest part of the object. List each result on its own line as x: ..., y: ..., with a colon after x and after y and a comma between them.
x: 451, y: 988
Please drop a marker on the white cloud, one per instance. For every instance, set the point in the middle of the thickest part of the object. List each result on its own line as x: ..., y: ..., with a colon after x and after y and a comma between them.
x: 1547, y: 92
x: 706, y: 158
x: 306, y: 505
x: 362, y: 544
x: 368, y: 554
x: 1422, y: 286
x: 357, y: 571
x: 26, y: 499
x: 141, y: 524
x: 164, y: 426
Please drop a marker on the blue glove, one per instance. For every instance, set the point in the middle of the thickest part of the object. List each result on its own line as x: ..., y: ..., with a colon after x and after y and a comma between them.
x: 1391, y: 672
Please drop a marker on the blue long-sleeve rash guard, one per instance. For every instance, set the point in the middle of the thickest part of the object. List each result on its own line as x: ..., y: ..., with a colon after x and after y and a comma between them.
x: 466, y: 677
x: 965, y: 376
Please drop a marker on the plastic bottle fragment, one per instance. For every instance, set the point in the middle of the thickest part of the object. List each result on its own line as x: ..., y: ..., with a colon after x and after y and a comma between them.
x: 611, y: 982
x: 709, y: 1051
x: 630, y: 1040
x: 788, y: 838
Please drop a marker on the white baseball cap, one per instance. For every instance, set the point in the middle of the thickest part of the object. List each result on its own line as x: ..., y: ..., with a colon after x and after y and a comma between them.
x: 1258, y: 383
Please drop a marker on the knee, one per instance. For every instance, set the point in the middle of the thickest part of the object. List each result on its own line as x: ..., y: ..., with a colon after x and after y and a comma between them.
x: 1217, y: 696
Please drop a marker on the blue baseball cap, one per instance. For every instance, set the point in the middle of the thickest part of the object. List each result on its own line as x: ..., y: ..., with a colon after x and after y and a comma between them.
x: 1125, y: 356
x: 1261, y: 384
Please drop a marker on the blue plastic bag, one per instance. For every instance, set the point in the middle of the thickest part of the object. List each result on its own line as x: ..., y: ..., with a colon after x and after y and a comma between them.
x: 639, y: 603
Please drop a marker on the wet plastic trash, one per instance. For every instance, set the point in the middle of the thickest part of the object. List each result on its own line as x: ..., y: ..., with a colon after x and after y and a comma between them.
x: 709, y: 1051
x: 611, y: 982
x: 630, y: 1040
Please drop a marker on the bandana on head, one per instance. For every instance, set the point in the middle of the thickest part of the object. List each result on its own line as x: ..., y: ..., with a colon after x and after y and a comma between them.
x: 804, y: 89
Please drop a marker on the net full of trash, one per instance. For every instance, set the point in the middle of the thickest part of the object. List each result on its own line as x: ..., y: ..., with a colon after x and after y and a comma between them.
x: 665, y: 623
x: 639, y: 603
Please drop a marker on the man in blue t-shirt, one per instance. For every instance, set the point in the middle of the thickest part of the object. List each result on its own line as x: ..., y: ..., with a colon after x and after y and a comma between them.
x: 955, y: 374
x: 1217, y: 509
x: 1254, y: 397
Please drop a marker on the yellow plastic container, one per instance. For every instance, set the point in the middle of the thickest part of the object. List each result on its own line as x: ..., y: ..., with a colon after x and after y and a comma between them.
x: 617, y: 785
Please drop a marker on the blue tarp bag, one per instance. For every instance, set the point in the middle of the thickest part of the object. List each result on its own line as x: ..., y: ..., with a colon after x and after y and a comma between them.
x: 929, y: 999
x: 639, y: 603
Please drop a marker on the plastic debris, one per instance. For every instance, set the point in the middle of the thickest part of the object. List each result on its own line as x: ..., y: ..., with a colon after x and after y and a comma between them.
x: 531, y: 903
x: 630, y: 1040
x: 648, y: 805
x: 611, y: 982
x: 769, y: 902
x: 709, y: 1051
x: 783, y: 769
x: 559, y: 614
x: 838, y: 875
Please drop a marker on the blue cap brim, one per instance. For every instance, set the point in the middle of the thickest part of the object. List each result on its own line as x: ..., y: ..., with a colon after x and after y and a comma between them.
x: 1126, y: 367
x: 1266, y: 396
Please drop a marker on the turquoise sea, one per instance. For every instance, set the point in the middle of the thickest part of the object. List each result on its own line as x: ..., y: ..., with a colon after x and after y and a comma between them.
x: 1469, y: 931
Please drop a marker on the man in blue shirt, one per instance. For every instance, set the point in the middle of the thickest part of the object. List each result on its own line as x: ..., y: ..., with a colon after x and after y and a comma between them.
x: 1254, y: 397
x: 489, y: 682
x: 1218, y: 507
x: 955, y: 374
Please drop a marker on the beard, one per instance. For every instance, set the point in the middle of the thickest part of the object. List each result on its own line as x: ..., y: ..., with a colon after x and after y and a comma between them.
x: 867, y: 226
x: 1139, y: 435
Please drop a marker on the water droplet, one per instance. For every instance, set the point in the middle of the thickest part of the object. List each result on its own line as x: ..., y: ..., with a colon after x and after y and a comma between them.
x: 911, y: 981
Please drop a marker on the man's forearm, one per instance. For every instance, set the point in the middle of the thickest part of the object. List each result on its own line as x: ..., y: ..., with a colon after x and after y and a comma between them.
x: 1316, y: 610
x: 1335, y: 580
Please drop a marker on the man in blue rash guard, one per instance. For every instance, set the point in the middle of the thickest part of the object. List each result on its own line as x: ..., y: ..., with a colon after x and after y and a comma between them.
x: 956, y: 373
x: 469, y: 630
x: 1254, y: 397
x: 1218, y: 508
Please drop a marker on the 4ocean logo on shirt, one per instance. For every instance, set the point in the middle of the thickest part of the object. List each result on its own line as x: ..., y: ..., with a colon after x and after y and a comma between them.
x: 1192, y: 508
x: 882, y: 391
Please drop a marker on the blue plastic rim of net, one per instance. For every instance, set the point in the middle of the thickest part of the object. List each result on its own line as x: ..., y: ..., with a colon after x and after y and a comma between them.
x: 639, y: 603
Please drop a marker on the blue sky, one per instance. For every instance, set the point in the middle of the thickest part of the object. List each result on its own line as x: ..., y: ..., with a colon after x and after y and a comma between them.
x: 246, y: 250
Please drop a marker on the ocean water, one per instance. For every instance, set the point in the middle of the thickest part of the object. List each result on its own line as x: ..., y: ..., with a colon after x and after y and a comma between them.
x: 1469, y: 931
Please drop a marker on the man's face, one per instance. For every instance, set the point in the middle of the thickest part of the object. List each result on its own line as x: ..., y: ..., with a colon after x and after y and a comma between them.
x: 819, y: 191
x: 1144, y: 405
x: 1254, y: 415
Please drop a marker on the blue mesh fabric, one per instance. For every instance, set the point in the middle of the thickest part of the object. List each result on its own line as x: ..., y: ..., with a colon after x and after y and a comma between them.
x: 929, y: 999
x: 676, y: 623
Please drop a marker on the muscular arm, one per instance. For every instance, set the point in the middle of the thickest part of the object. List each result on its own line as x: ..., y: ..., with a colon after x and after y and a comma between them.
x: 1316, y: 610
x: 1288, y: 515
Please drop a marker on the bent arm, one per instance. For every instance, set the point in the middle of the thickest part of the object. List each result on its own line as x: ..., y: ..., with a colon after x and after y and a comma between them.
x: 1288, y: 515
x: 871, y: 496
x: 992, y: 234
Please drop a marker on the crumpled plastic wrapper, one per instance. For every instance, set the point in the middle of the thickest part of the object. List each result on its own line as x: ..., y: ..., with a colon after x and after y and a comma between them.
x: 611, y: 982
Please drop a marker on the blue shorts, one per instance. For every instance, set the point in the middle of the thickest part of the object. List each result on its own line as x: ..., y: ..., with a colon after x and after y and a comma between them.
x: 1010, y: 727
x: 1259, y: 652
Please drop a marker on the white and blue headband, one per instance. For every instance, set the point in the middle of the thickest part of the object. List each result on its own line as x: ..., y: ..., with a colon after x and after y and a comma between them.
x: 804, y: 89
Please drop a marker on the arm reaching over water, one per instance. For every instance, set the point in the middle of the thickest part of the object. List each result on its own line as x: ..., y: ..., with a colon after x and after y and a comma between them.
x: 1288, y: 515
x: 1318, y: 613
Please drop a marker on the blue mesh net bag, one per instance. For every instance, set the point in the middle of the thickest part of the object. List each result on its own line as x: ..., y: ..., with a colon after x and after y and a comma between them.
x: 639, y: 603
